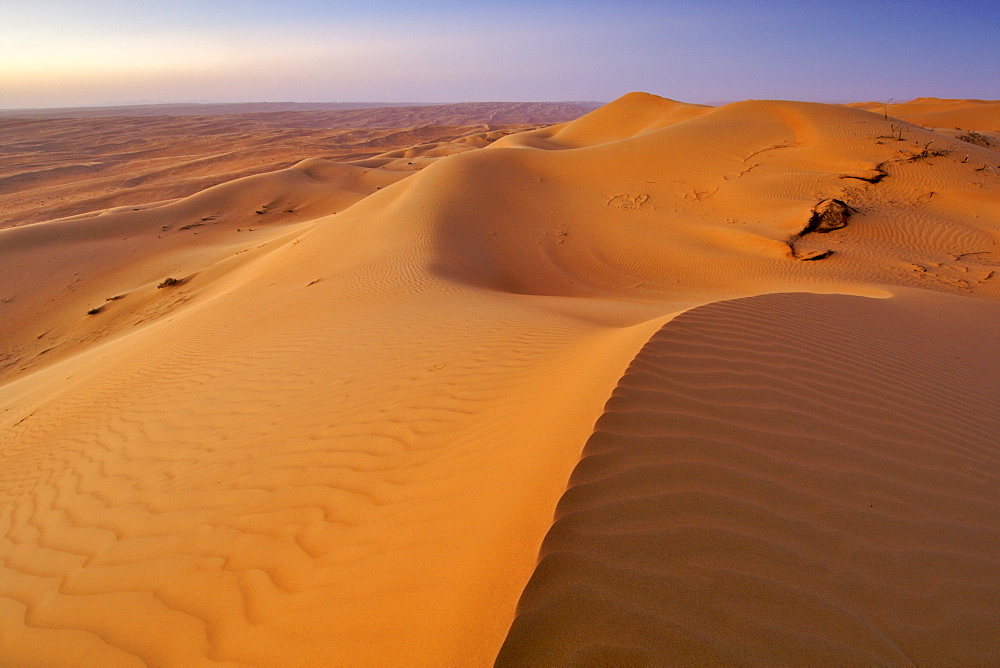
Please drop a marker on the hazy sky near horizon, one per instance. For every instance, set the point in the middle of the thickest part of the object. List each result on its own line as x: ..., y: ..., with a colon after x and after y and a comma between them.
x: 103, y: 52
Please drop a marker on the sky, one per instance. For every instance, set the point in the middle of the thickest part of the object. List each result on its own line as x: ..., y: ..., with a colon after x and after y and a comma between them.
x: 57, y: 53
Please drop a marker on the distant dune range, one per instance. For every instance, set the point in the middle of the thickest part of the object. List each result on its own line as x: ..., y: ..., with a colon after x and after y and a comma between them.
x: 370, y: 112
x: 61, y: 162
x: 944, y: 114
x: 193, y: 109
x: 664, y: 384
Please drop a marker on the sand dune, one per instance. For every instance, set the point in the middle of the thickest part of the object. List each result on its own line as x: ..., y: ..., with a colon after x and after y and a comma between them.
x: 341, y: 436
x: 938, y: 113
x: 344, y: 114
x: 58, y: 163
x: 793, y: 479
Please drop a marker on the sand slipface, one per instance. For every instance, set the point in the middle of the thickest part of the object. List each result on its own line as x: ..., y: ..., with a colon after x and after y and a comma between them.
x: 341, y: 434
x: 788, y: 478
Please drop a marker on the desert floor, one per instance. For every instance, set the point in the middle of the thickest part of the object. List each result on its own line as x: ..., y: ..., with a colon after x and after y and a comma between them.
x: 534, y: 384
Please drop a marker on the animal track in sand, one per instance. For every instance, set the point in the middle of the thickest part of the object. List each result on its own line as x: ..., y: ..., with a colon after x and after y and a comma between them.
x: 957, y: 274
x: 629, y: 202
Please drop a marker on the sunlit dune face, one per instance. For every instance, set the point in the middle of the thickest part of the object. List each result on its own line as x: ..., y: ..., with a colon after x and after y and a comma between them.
x: 333, y: 413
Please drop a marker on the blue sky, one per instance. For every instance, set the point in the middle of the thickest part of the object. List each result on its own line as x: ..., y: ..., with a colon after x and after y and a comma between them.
x: 77, y: 52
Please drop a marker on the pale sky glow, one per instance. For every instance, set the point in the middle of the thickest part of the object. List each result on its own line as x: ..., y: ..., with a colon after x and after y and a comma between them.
x: 70, y: 52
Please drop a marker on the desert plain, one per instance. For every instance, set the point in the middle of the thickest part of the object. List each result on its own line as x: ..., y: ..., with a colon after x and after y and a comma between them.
x: 650, y: 383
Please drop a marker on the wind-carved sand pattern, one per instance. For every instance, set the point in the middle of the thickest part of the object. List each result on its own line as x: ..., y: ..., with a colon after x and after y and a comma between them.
x: 341, y: 435
x: 794, y: 479
x: 226, y: 524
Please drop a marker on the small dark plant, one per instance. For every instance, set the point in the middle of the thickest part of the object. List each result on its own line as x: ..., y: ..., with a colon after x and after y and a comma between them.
x: 975, y: 138
x: 927, y: 152
x: 95, y: 311
x: 885, y: 108
x: 169, y: 282
x: 895, y: 132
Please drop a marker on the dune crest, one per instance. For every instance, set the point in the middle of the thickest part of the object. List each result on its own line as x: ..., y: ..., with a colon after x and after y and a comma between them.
x: 342, y: 433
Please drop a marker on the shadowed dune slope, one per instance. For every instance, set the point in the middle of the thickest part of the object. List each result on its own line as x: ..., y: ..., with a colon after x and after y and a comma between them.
x: 785, y: 479
x: 340, y: 438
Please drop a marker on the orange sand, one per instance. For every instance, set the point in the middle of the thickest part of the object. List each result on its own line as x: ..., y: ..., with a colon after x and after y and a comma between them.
x: 785, y: 479
x: 93, y: 159
x: 937, y: 113
x: 342, y: 437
